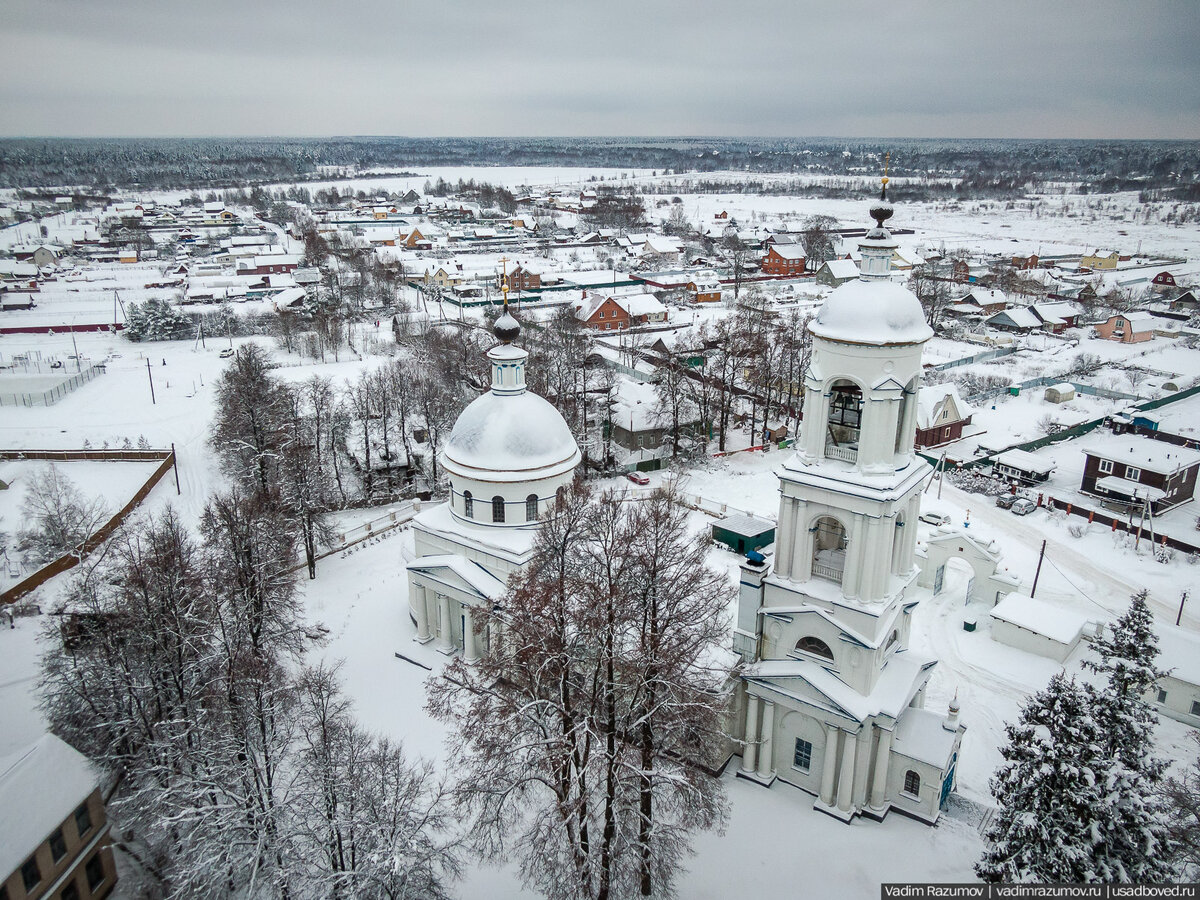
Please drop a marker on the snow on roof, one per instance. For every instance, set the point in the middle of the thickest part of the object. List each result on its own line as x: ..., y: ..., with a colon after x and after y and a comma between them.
x: 40, y: 786
x: 1142, y: 452
x: 985, y: 296
x: 1025, y: 461
x: 640, y: 304
x: 931, y: 399
x: 510, y: 437
x: 1063, y: 387
x: 919, y: 735
x: 872, y: 312
x: 1179, y: 652
x: 842, y: 268
x: 1111, y: 484
x: 1139, y: 321
x: 745, y: 524
x: 788, y: 251
x: 635, y: 405
x: 1020, y: 316
x: 479, y: 578
x: 1054, y: 622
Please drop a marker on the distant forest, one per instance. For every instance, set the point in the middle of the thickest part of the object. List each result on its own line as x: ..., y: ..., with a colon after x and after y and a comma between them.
x: 974, y: 168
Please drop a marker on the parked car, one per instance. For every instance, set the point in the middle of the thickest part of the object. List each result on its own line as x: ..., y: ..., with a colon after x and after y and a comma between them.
x: 57, y: 364
x: 226, y: 353
x: 934, y: 517
x: 1023, y: 506
x: 638, y: 478
x: 1005, y: 501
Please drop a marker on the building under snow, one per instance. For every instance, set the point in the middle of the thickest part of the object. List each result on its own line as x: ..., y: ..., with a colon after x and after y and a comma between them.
x: 508, y: 457
x: 832, y: 697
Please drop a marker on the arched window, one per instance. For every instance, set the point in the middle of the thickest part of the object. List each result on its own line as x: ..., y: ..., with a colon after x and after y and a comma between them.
x: 531, y: 512
x: 829, y: 549
x: 815, y: 646
x: 468, y: 505
x: 560, y: 496
x: 497, y: 509
x: 844, y: 421
x: 912, y: 783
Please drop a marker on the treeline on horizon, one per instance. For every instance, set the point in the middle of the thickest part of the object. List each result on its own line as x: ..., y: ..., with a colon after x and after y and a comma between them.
x: 973, y: 167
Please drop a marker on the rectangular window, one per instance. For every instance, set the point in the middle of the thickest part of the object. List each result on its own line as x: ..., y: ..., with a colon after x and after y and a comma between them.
x: 30, y: 873
x: 83, y: 819
x: 803, y: 755
x: 58, y: 844
x: 1162, y: 696
x: 1106, y: 466
x: 95, y: 872
x: 1133, y: 474
x: 1196, y: 707
x: 70, y: 892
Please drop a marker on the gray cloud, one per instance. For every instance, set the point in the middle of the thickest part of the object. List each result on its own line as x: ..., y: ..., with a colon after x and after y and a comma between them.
x: 1109, y: 68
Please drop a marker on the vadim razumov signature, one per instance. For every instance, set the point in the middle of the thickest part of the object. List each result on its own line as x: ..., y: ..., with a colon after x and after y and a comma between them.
x: 1021, y: 891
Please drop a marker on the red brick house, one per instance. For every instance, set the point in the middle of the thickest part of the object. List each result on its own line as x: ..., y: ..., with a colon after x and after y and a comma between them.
x: 616, y: 312
x: 784, y: 260
x: 524, y: 278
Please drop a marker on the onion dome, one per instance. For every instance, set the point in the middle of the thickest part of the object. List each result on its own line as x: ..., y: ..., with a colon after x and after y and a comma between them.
x: 507, y: 329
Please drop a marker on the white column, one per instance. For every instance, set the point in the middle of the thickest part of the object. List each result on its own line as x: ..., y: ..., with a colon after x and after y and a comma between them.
x: 421, y: 609
x: 846, y: 780
x: 814, y: 423
x: 444, y: 642
x: 829, y: 765
x: 786, y: 537
x: 909, y: 427
x: 749, y: 751
x: 469, y: 652
x: 766, y: 753
x: 854, y: 557
x: 879, y: 780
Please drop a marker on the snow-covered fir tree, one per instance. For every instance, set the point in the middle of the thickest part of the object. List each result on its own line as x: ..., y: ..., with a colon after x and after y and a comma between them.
x: 1052, y: 791
x: 1137, y: 837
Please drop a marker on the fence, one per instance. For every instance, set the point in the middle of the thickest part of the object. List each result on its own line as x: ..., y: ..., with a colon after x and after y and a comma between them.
x: 70, y: 560
x: 1046, y: 381
x: 52, y: 396
x: 978, y: 357
x: 1119, y: 525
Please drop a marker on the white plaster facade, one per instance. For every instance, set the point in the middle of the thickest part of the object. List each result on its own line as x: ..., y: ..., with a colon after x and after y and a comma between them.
x: 509, y: 455
x: 832, y: 697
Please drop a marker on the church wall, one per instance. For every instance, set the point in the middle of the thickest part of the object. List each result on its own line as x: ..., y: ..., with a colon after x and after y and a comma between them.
x: 514, y: 493
x: 792, y: 725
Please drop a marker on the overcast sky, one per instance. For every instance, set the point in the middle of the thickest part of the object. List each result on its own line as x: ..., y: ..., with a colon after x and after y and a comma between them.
x: 1006, y: 68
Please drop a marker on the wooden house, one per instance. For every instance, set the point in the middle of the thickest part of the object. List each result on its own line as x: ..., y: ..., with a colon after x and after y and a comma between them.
x: 1133, y: 470
x: 1128, y: 328
x: 942, y: 414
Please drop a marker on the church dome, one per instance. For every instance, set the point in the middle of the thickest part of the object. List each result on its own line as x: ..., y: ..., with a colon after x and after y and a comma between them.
x: 872, y: 312
x: 510, y: 437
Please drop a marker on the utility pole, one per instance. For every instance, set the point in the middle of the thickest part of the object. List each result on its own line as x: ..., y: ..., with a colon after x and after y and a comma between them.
x: 175, y: 466
x: 150, y: 375
x: 1182, y: 600
x: 1037, y: 574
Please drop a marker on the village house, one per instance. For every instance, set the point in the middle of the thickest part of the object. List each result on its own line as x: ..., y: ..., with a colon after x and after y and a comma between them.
x: 272, y: 264
x: 1133, y: 470
x: 784, y: 260
x: 704, y: 289
x: 1022, y: 467
x: 1099, y: 259
x: 1186, y: 302
x: 986, y: 301
x: 635, y: 421
x: 942, y: 414
x: 525, y: 277
x: 55, y: 836
x: 444, y: 274
x: 836, y: 272
x: 1163, y: 280
x: 613, y: 312
x: 1018, y: 319
x: 1128, y: 328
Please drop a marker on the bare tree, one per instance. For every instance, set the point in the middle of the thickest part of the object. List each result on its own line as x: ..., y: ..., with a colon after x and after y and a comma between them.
x: 59, y: 518
x: 817, y: 239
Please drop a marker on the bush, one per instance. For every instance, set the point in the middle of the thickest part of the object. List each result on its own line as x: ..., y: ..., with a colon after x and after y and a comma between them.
x: 1077, y: 529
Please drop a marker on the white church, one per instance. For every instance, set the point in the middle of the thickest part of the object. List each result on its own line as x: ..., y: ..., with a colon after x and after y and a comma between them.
x: 831, y: 698
x: 508, y: 457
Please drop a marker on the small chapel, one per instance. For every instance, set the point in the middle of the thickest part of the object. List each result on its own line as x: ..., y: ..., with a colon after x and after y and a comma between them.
x: 831, y: 698
x: 509, y: 456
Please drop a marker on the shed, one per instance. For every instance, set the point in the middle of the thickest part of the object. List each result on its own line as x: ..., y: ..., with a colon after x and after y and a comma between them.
x: 1062, y: 392
x: 1036, y: 626
x: 1023, y: 466
x: 1177, y: 693
x: 744, y: 533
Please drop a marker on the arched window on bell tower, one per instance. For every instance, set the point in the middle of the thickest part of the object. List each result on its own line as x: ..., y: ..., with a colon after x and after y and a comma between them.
x: 829, y: 549
x: 844, y: 421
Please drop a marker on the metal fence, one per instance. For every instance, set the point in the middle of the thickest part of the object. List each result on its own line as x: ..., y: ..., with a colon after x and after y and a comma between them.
x: 52, y: 396
x: 978, y: 357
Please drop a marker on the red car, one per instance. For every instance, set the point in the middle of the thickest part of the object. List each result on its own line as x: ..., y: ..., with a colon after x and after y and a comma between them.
x: 638, y: 478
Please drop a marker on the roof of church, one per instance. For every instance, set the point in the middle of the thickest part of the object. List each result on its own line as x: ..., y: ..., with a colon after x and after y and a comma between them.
x: 510, y: 437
